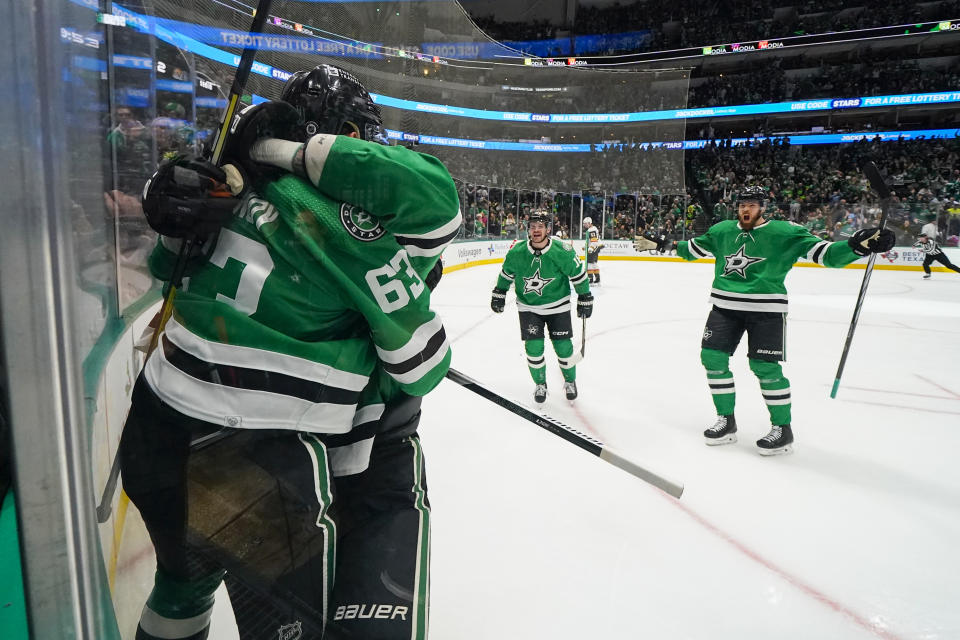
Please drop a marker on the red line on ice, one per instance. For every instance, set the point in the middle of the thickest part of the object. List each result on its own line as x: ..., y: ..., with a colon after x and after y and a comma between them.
x: 803, y: 587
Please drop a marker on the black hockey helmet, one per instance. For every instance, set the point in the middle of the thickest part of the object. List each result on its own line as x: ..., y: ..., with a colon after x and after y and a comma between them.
x: 755, y: 193
x: 539, y: 216
x: 329, y: 97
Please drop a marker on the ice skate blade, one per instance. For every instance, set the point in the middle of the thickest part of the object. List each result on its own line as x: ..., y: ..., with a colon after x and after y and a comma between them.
x: 730, y: 438
x: 776, y: 452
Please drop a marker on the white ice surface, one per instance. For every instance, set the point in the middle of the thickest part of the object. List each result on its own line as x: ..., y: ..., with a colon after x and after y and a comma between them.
x: 854, y: 535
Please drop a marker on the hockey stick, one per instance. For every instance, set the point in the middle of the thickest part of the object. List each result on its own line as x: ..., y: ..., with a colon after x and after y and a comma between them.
x: 583, y: 339
x: 577, y: 357
x: 105, y: 507
x: 585, y: 442
x: 880, y: 185
x: 233, y: 103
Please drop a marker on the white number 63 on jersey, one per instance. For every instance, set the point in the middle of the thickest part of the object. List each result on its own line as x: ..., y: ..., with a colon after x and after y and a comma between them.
x: 391, y: 294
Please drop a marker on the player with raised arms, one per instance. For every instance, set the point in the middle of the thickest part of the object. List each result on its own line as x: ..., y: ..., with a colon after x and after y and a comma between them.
x: 753, y: 256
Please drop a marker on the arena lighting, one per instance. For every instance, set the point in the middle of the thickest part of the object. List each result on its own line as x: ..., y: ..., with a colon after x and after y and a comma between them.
x: 177, y: 39
x: 801, y: 106
x: 929, y: 135
x: 587, y: 43
x: 770, y: 43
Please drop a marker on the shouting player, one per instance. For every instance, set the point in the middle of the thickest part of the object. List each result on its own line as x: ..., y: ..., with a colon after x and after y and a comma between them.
x: 753, y: 256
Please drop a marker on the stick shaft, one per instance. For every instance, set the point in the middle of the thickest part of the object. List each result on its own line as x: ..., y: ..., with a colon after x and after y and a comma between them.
x: 233, y: 102
x: 582, y: 440
x: 583, y: 339
x: 883, y: 189
x: 853, y: 324
x: 239, y: 82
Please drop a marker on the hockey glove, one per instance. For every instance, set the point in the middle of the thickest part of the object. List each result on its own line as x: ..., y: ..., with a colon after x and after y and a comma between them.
x: 499, y: 300
x: 641, y: 244
x: 187, y: 197
x: 584, y: 305
x: 274, y: 119
x: 872, y: 240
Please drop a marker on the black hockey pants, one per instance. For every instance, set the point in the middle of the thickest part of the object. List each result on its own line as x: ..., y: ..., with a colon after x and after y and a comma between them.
x: 304, y: 552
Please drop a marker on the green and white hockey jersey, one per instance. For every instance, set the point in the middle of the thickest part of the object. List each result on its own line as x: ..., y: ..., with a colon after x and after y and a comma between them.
x: 309, y: 291
x: 542, y: 278
x: 751, y: 265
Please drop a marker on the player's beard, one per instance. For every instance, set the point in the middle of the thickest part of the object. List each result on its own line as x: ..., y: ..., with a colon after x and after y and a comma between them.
x: 748, y: 220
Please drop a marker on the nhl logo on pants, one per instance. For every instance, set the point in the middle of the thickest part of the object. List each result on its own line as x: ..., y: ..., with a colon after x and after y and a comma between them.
x: 293, y: 631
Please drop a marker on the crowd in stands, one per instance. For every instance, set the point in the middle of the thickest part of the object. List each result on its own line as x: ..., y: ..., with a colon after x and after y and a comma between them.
x: 509, y: 30
x: 625, y: 167
x: 825, y: 184
x: 770, y: 83
x: 693, y: 23
x: 820, y: 187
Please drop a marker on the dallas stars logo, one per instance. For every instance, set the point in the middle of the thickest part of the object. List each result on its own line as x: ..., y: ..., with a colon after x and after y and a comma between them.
x: 360, y: 224
x: 535, y: 284
x: 738, y: 262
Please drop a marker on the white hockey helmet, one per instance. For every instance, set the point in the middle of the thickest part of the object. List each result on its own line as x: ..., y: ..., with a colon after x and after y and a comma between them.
x: 588, y: 220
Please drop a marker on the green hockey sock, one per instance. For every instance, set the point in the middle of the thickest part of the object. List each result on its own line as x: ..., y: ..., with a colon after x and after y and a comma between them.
x: 720, y: 379
x: 535, y: 360
x: 564, y: 349
x: 775, y: 389
x: 178, y: 608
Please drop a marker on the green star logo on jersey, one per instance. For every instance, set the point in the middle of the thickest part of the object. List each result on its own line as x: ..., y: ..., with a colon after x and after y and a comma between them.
x: 535, y: 284
x: 738, y: 262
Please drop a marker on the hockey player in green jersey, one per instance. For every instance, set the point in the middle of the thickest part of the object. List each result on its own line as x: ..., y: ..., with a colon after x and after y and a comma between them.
x: 541, y: 269
x: 303, y: 339
x: 753, y: 256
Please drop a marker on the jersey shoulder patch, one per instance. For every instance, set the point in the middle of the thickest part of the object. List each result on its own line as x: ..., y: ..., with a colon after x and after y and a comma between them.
x: 361, y: 225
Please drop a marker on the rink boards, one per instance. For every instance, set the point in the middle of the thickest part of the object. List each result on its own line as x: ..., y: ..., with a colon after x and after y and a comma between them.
x: 478, y: 252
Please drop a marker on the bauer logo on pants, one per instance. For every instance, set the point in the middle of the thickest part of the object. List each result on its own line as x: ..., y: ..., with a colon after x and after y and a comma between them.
x: 360, y: 224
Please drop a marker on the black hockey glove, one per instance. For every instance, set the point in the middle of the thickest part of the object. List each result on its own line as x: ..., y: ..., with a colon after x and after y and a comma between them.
x: 274, y: 119
x: 187, y: 197
x: 872, y: 240
x: 499, y: 300
x: 584, y: 305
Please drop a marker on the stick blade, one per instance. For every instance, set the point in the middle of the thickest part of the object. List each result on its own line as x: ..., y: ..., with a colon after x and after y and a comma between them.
x: 877, y: 181
x: 671, y: 488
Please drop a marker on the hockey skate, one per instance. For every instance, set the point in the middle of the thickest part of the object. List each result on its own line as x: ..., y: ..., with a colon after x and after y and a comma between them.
x: 778, y: 441
x: 723, y: 431
x: 926, y: 276
x: 540, y: 393
x: 570, y: 388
